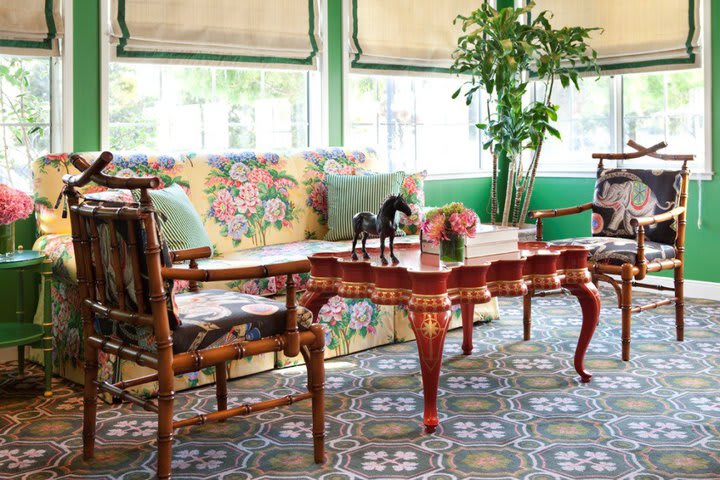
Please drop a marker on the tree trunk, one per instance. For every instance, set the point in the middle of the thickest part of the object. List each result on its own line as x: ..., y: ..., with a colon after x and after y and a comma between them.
x: 508, y: 193
x: 531, y: 184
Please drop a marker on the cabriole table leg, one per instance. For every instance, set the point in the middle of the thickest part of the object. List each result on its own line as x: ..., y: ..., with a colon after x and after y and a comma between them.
x: 430, y: 319
x: 589, y: 298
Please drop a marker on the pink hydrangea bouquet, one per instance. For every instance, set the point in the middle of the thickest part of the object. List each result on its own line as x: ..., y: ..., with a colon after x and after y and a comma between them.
x: 452, y: 220
x: 14, y: 205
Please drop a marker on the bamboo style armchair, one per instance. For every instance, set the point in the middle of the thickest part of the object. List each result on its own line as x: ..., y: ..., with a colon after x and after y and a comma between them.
x: 125, y: 275
x: 633, y: 242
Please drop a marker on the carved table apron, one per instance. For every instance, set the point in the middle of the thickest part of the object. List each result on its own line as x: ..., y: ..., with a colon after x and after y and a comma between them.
x: 429, y: 292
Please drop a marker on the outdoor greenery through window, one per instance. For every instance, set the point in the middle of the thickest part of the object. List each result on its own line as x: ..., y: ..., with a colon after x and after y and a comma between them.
x: 414, y: 123
x: 25, y: 102
x: 648, y: 108
x: 168, y: 107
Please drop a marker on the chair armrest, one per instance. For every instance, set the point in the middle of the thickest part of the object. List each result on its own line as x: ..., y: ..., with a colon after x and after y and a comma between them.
x: 560, y: 212
x: 190, y: 254
x: 229, y: 274
x: 662, y: 217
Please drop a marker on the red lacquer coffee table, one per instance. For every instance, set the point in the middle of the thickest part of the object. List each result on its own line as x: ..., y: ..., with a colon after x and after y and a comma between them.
x: 429, y: 292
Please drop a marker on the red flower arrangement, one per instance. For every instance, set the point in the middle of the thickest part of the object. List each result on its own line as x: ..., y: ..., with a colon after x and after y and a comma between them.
x: 452, y: 220
x: 14, y: 205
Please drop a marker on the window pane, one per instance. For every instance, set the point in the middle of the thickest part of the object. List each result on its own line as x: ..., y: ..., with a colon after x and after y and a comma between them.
x: 185, y: 108
x: 24, y: 117
x: 414, y: 123
x: 665, y: 107
x: 585, y: 122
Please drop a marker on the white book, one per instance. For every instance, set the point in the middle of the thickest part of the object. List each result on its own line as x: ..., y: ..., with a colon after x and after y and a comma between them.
x: 434, y: 260
x: 491, y: 248
x: 493, y: 233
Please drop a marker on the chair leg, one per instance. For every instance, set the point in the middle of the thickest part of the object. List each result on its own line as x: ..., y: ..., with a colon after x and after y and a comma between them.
x: 90, y: 401
x: 315, y: 361
x: 680, y: 303
x: 527, y: 316
x: 221, y: 386
x: 21, y: 362
x: 166, y: 397
x: 626, y: 308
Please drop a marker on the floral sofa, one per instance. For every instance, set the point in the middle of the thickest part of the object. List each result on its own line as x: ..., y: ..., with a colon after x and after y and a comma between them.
x: 256, y: 207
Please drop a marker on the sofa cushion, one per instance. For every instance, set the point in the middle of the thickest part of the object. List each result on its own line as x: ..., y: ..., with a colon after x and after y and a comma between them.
x: 413, y: 191
x: 616, y: 251
x: 624, y: 194
x: 181, y: 224
x: 348, y: 195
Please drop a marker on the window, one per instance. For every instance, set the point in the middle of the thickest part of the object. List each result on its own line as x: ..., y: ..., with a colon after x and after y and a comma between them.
x: 607, y: 112
x: 171, y: 107
x: 414, y: 123
x: 25, y: 111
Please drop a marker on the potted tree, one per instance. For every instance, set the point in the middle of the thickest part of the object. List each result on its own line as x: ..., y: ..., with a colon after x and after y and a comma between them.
x: 502, y: 52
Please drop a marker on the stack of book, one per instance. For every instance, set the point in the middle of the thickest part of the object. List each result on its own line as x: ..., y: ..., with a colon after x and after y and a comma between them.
x: 491, y: 242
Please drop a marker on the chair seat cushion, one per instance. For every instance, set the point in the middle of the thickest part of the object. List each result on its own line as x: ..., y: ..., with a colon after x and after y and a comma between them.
x: 616, y: 251
x: 212, y: 318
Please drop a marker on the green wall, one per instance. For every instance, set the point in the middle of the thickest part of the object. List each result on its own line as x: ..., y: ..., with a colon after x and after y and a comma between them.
x: 703, y: 261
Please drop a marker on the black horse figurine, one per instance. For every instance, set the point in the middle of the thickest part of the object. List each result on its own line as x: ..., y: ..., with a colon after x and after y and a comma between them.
x: 382, y: 224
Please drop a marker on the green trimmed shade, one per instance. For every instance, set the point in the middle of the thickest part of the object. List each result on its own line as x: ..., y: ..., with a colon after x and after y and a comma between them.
x: 350, y: 194
x: 266, y: 33
x: 638, y: 35
x: 31, y: 27
x: 405, y: 35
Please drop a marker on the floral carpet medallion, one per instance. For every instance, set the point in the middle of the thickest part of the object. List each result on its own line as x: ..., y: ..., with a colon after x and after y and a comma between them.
x: 511, y: 410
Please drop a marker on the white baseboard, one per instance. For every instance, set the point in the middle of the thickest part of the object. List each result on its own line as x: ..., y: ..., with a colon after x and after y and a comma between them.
x: 693, y: 288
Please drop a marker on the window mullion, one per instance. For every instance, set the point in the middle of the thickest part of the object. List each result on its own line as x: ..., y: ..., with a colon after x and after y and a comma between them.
x: 618, y: 115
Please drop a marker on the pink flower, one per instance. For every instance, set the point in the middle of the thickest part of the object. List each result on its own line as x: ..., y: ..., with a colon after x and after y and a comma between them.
x: 434, y: 228
x: 318, y: 197
x: 223, y: 207
x: 457, y: 224
x: 247, y: 199
x: 14, y: 205
x: 274, y: 210
x: 331, y: 313
x: 360, y: 315
x: 251, y: 287
x: 409, y: 185
x: 259, y: 175
x: 347, y: 170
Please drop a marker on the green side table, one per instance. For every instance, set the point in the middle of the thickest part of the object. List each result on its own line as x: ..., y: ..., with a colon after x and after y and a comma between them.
x: 24, y: 332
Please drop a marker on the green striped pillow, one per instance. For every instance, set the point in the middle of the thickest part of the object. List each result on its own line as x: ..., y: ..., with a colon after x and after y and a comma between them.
x: 182, y: 226
x: 350, y: 194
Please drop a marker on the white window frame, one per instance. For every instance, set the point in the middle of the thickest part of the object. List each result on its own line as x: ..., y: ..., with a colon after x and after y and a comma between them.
x: 701, y: 168
x: 317, y: 85
x: 485, y: 168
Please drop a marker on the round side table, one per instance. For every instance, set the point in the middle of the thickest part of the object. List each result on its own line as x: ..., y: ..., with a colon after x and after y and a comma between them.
x: 24, y: 332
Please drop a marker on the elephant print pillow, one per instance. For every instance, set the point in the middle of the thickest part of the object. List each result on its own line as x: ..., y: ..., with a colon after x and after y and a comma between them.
x: 624, y: 194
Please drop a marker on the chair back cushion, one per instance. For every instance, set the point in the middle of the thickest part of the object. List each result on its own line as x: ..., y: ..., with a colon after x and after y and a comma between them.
x: 624, y: 194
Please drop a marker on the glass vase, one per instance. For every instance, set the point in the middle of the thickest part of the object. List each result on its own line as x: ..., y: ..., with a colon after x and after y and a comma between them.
x: 452, y: 250
x: 7, y: 239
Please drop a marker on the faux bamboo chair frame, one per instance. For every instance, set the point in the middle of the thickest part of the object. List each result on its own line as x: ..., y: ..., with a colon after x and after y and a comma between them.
x: 151, y: 311
x: 631, y: 275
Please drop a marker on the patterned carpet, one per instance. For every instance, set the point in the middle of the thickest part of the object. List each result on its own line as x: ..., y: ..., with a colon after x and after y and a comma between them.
x: 511, y: 410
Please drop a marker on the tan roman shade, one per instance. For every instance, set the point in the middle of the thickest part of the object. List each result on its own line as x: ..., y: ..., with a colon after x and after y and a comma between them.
x: 405, y: 35
x: 281, y: 33
x: 31, y: 27
x: 639, y: 35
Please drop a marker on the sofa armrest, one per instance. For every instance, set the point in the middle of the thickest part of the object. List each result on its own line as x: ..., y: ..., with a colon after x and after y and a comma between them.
x: 58, y: 248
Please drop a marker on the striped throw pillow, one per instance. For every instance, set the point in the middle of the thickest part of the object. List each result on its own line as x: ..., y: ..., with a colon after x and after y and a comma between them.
x: 350, y: 194
x: 182, y: 226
